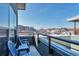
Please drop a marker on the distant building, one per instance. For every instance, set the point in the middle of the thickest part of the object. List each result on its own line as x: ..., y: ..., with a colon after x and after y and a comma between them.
x: 25, y: 30
x: 59, y: 31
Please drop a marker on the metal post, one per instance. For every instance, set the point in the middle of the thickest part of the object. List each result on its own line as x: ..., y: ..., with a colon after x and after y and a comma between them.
x: 7, y: 31
x: 16, y: 29
x: 49, y: 39
x: 75, y: 28
x: 7, y: 34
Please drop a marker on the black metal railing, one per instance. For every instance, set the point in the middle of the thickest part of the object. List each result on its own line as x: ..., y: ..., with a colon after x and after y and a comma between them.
x: 57, y: 38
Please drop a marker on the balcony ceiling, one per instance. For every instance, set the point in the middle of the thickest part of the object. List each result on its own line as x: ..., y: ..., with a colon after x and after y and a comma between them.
x: 20, y: 6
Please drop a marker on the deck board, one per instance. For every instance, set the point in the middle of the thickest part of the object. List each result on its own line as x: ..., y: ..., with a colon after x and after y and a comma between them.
x: 33, y: 51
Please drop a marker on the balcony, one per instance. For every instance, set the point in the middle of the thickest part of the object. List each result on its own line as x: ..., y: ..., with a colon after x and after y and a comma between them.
x: 35, y: 43
x: 44, y: 46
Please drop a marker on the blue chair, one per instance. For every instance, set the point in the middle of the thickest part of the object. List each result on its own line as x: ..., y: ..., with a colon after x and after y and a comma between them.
x: 12, y: 48
x: 16, y: 52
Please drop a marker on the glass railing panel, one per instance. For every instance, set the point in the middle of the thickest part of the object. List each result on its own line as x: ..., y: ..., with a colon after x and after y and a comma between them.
x: 45, y: 38
x: 68, y: 45
x: 73, y: 46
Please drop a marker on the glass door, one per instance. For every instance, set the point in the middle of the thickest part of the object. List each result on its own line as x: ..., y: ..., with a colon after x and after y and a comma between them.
x: 7, y: 26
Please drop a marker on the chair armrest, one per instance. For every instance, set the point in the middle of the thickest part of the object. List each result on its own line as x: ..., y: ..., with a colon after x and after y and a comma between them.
x: 23, y: 47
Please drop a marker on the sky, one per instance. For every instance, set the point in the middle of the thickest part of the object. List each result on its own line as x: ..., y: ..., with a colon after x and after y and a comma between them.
x: 3, y: 15
x: 7, y: 13
x: 48, y: 15
x: 41, y: 15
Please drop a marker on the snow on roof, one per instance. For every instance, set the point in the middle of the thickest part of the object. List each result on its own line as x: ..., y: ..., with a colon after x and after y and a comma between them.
x: 73, y: 19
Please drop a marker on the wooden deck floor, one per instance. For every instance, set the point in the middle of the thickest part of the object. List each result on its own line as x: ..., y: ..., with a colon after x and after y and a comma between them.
x: 33, y: 51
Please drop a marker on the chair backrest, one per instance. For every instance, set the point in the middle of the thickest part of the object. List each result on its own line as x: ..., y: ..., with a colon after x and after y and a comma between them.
x: 12, y: 48
x: 20, y: 40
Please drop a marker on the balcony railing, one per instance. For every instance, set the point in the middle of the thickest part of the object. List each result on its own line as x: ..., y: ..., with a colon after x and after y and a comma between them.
x: 59, y: 48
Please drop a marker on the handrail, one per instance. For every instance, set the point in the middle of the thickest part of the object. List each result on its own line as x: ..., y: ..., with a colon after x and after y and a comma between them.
x: 65, y: 40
